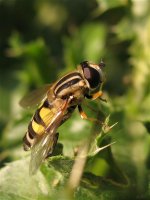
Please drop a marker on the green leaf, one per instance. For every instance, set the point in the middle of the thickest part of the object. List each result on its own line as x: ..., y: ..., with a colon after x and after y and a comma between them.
x: 16, y: 183
x: 61, y: 164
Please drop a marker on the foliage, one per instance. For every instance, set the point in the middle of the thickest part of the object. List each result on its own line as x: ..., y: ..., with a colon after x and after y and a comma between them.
x: 39, y: 42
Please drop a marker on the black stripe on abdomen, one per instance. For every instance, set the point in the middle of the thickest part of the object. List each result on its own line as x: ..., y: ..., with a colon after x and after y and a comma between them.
x: 46, y: 104
x: 37, y: 118
x: 29, y: 137
x: 31, y: 132
x: 26, y: 143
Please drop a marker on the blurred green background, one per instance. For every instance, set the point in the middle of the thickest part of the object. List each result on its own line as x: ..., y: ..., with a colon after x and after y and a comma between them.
x: 40, y: 40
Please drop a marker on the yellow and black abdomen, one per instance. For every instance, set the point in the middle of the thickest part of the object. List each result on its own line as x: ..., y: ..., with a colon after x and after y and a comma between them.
x: 38, y: 124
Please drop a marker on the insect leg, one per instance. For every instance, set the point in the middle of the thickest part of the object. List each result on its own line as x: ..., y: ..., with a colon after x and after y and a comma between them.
x: 97, y: 95
x: 55, y: 139
x: 84, y: 116
x: 105, y: 125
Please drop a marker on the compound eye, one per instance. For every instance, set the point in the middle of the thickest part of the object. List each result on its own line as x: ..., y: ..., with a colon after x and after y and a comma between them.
x: 92, y: 76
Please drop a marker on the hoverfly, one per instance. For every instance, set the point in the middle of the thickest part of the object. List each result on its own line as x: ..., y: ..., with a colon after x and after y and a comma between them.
x: 58, y: 101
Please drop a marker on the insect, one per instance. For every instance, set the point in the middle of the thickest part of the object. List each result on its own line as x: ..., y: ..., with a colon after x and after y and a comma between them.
x: 58, y: 101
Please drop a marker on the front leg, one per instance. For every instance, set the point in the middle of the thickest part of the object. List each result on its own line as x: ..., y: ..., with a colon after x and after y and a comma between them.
x: 104, y: 124
x: 97, y: 95
x: 84, y: 116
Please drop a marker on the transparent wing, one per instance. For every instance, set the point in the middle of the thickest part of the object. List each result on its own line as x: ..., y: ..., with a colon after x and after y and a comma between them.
x: 45, y: 144
x: 40, y: 151
x: 34, y: 97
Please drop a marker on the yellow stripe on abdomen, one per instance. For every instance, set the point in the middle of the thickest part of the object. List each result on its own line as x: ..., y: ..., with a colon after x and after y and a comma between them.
x: 38, y: 129
x: 47, y: 115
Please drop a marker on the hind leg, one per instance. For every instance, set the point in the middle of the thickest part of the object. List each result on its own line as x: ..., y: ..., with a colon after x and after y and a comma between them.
x: 55, y: 139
